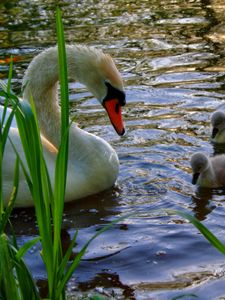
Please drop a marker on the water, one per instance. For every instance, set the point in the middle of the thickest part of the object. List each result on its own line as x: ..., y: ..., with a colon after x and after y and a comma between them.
x: 171, y: 56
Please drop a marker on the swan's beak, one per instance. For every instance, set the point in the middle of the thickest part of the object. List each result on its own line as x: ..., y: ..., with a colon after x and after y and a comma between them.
x: 113, y: 108
x: 195, y: 178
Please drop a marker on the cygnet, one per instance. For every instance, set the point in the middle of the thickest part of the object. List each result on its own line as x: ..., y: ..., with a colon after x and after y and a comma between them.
x: 208, y: 172
x: 218, y: 127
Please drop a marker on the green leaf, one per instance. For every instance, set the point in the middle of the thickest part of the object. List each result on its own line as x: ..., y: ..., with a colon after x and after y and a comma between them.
x: 63, y: 73
x: 8, y: 284
x: 26, y: 247
x: 6, y: 128
x: 9, y: 207
x: 81, y: 253
x: 65, y: 260
x: 25, y: 283
x: 203, y: 229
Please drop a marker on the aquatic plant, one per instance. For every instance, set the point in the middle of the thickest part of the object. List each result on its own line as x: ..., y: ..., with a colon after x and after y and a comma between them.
x: 214, y: 241
x: 16, y: 281
x: 48, y: 202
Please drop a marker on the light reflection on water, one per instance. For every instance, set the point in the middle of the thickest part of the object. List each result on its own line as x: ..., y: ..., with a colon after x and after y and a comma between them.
x: 171, y: 57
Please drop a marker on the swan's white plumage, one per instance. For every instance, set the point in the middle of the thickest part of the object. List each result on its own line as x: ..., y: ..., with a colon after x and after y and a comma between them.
x: 210, y: 171
x: 93, y: 164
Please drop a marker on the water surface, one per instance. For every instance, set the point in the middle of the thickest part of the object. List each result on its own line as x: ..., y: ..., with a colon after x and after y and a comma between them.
x: 171, y: 56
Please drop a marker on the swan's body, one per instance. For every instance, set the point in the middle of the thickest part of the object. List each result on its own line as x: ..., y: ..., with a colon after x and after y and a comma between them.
x: 208, y: 172
x: 218, y: 127
x: 93, y: 164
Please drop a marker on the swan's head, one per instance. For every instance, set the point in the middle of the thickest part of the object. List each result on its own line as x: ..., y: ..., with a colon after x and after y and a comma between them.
x: 218, y: 123
x: 199, y: 163
x: 99, y: 73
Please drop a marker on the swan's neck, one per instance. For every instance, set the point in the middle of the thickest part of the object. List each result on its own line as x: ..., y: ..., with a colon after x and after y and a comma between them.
x: 41, y: 83
x: 48, y: 114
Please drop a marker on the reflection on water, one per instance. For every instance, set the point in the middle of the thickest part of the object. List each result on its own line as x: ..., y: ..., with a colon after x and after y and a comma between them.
x: 171, y: 55
x: 202, y: 204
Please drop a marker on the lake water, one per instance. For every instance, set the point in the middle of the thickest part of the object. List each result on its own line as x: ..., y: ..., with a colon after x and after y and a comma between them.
x: 171, y: 56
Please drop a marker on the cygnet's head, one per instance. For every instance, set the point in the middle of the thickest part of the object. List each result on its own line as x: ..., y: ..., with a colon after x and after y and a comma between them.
x: 199, y: 163
x: 218, y: 123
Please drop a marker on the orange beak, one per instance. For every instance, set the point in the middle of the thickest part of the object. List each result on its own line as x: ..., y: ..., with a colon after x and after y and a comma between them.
x: 114, y: 111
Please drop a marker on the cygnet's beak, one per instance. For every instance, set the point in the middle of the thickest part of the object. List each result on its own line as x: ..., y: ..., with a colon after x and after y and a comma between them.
x: 195, y: 178
x: 214, y: 132
x: 113, y: 108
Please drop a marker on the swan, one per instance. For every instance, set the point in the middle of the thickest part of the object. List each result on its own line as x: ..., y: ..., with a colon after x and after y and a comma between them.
x: 208, y: 172
x: 93, y: 164
x: 218, y: 127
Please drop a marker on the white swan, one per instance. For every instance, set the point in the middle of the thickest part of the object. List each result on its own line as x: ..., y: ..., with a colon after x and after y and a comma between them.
x: 218, y: 127
x: 208, y: 172
x: 93, y: 164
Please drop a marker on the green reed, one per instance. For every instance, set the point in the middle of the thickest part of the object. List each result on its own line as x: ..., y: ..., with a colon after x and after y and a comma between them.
x: 16, y: 282
x: 5, y: 124
x: 48, y: 200
x: 15, y: 279
x: 48, y: 203
x: 214, y: 241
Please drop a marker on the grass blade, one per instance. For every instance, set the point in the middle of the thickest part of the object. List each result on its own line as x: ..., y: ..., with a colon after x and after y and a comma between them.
x: 63, y: 73
x: 8, y: 284
x: 6, y: 128
x: 66, y: 257
x: 30, y: 137
x: 203, y: 229
x: 81, y: 253
x: 62, y: 157
x: 9, y: 207
x: 25, y: 283
x: 8, y: 88
x: 26, y: 247
x: 61, y: 163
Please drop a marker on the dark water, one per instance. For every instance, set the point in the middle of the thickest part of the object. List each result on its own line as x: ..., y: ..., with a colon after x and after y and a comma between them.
x: 171, y: 56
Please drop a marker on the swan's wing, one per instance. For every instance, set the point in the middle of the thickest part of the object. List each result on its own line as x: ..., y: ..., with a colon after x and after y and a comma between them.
x: 13, y: 124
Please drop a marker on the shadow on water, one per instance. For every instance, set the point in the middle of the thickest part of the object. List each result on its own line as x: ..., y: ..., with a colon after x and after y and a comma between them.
x: 90, y: 211
x: 203, y: 204
x: 171, y: 56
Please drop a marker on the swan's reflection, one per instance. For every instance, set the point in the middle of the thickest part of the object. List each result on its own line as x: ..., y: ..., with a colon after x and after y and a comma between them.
x: 89, y: 211
x: 108, y: 280
x: 202, y: 203
x: 205, y: 201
